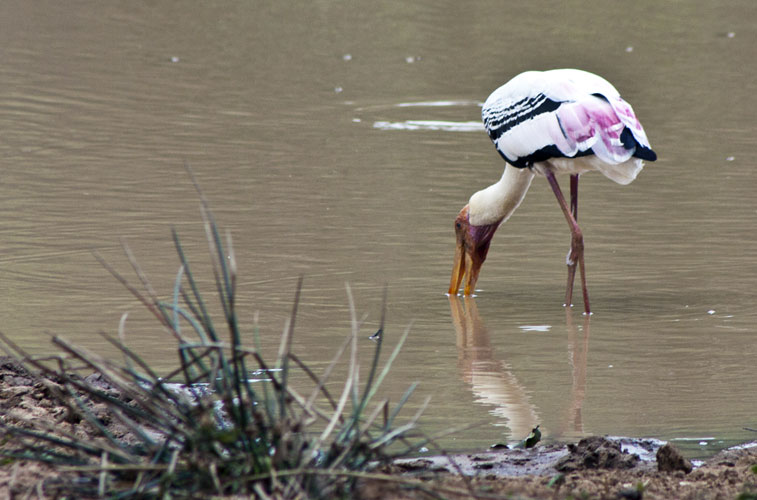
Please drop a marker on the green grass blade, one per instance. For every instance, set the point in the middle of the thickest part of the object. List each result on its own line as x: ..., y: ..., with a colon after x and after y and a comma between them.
x: 206, y: 319
x: 175, y: 304
x: 286, y: 347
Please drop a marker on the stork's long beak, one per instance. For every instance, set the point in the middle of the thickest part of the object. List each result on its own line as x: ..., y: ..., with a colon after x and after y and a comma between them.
x: 471, y: 247
x: 466, y: 268
x: 458, y: 269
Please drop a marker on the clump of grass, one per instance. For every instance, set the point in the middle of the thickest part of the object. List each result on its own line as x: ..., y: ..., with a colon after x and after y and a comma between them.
x: 205, y: 428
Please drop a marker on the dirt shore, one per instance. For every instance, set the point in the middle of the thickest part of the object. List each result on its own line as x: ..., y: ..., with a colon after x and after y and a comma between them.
x: 596, y: 467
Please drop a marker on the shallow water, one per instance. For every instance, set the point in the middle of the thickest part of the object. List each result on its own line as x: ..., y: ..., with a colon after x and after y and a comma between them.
x: 339, y: 142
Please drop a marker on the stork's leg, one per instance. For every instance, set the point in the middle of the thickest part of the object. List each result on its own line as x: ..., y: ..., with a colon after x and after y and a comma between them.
x: 570, y: 260
x: 574, y: 195
x: 576, y: 254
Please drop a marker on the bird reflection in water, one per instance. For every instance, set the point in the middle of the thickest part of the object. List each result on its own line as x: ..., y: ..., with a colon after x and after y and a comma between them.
x: 493, y: 382
x: 578, y: 352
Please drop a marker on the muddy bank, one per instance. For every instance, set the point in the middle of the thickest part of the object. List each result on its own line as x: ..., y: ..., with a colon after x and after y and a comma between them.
x: 596, y: 467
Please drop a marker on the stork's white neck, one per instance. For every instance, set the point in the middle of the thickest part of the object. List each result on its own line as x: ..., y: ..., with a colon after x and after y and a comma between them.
x: 497, y: 202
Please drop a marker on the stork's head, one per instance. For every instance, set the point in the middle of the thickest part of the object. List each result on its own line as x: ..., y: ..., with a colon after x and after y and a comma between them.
x: 470, y: 254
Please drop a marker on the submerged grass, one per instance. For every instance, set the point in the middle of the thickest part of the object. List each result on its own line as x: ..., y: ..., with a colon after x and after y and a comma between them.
x: 206, y: 429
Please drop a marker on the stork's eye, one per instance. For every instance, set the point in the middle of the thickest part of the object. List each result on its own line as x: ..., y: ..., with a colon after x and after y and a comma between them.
x: 458, y: 225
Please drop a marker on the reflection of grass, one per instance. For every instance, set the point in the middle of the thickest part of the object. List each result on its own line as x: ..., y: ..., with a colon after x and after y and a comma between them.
x: 218, y: 433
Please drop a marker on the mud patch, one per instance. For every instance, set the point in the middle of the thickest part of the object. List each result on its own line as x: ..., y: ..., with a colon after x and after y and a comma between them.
x: 503, y: 462
x: 596, y: 452
x: 669, y: 459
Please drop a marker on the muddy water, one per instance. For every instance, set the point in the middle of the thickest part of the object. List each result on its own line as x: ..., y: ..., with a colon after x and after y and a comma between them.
x: 339, y: 141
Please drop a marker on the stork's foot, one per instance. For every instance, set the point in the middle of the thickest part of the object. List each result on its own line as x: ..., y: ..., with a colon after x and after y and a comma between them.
x: 571, y: 278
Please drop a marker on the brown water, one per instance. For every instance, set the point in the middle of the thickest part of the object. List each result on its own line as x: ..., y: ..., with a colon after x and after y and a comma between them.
x: 299, y: 121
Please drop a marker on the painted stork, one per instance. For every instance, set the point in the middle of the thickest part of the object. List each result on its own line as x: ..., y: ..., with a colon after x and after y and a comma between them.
x: 563, y: 121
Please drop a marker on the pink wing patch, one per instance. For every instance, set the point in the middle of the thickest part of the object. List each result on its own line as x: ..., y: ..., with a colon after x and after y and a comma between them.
x: 594, y: 123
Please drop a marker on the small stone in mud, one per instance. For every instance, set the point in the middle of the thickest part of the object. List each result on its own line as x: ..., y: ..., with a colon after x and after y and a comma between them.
x: 631, y: 494
x: 596, y: 453
x: 669, y: 459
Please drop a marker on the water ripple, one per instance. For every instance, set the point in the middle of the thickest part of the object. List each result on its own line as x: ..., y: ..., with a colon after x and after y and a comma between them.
x: 430, y: 125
